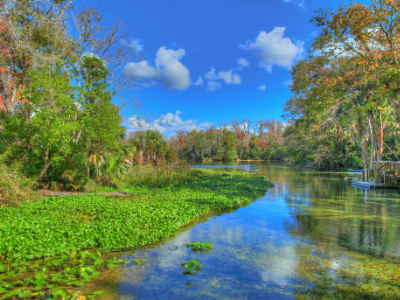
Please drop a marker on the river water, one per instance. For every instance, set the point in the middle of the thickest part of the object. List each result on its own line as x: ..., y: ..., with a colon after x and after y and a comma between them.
x: 312, y: 236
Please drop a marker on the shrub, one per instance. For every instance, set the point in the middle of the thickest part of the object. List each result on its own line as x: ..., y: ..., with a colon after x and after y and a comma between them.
x: 14, y: 187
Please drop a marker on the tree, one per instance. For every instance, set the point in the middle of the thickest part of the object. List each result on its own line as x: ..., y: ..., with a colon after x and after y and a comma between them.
x: 230, y: 143
x: 31, y: 33
x: 48, y: 136
x: 113, y: 47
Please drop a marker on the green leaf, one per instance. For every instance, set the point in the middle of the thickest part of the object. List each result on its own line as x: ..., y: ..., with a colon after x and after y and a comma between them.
x: 6, y: 284
x: 139, y: 261
x: 97, y: 293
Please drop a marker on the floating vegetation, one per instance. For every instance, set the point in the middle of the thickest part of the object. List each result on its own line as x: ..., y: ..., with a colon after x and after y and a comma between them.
x: 200, y: 247
x: 52, y: 278
x: 191, y: 267
x: 43, y: 242
x: 139, y: 261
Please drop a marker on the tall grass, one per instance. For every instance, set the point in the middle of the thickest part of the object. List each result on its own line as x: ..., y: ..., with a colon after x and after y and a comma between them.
x: 14, y: 187
x: 114, y: 173
x: 156, y: 176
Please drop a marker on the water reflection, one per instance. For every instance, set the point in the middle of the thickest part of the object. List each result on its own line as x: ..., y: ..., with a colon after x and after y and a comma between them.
x: 312, y: 236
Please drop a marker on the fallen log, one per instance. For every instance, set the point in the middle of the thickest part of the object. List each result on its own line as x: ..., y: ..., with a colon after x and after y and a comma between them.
x: 46, y: 193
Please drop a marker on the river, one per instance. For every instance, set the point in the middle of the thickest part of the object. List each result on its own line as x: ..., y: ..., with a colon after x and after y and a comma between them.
x: 312, y: 236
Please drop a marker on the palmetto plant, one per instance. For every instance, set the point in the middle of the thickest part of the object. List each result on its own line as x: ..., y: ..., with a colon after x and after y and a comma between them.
x: 112, y: 166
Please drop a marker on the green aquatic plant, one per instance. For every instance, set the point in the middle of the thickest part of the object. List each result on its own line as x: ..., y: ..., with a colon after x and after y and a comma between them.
x: 200, y: 247
x: 139, y: 261
x: 52, y: 277
x: 191, y: 267
x: 48, y: 232
x: 54, y: 226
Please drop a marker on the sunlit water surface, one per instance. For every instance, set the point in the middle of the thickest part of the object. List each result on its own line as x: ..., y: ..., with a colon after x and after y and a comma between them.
x: 312, y: 236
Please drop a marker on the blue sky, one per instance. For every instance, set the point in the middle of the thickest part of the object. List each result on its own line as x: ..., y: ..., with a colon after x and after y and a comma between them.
x: 209, y: 61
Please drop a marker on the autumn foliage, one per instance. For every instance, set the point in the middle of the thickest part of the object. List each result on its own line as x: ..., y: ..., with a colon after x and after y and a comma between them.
x: 344, y: 107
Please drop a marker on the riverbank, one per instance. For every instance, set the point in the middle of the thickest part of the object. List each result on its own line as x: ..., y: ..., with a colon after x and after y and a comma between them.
x: 54, y: 227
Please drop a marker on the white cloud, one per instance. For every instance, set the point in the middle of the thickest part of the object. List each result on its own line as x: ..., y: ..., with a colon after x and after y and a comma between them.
x: 135, y: 44
x: 288, y: 83
x: 210, y: 75
x: 229, y: 78
x: 213, y: 85
x: 243, y: 63
x: 168, y: 69
x: 261, y: 87
x: 299, y: 3
x: 243, y: 126
x: 90, y: 54
x: 206, y: 124
x: 199, y: 81
x: 274, y: 49
x: 168, y: 123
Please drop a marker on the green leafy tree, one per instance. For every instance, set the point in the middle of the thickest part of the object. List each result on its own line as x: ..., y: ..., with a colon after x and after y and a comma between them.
x: 230, y: 145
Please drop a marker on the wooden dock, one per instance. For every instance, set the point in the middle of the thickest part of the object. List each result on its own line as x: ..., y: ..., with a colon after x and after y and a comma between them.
x: 384, y: 174
x: 373, y: 184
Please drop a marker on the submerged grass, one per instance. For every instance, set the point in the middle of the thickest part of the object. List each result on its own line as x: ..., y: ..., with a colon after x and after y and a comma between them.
x: 57, y: 226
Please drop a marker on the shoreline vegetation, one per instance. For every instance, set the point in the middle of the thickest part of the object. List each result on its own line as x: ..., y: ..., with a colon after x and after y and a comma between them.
x: 51, y: 245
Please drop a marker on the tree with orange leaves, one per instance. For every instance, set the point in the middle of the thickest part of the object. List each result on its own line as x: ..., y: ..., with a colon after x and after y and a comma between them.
x: 352, y: 87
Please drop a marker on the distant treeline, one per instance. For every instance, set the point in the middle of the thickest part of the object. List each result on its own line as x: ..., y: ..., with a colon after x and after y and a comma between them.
x: 247, y: 139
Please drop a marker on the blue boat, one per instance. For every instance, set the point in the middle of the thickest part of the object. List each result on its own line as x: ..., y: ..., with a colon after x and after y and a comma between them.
x: 354, y: 171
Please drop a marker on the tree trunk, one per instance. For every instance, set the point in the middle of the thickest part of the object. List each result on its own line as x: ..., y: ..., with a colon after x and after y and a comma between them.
x: 360, y: 139
x: 390, y: 149
x: 347, y: 153
x: 47, y: 163
x: 372, y: 127
x: 380, y: 151
x: 10, y: 103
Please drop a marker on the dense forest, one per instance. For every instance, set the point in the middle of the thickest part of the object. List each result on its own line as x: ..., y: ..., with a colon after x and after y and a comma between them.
x: 344, y: 108
x: 62, y: 87
x: 233, y: 140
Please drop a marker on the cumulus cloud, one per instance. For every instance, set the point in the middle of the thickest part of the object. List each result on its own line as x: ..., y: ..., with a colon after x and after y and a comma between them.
x: 135, y: 44
x: 206, y: 124
x: 229, y: 77
x: 213, y: 85
x: 168, y: 69
x: 210, y: 75
x: 199, y: 81
x: 261, y: 87
x: 243, y: 63
x: 288, y: 83
x: 168, y: 123
x: 273, y: 49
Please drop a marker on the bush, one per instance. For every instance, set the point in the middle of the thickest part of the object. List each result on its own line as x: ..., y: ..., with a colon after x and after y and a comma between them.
x: 14, y: 187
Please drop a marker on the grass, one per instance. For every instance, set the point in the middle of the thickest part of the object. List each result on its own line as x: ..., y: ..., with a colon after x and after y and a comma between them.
x: 14, y: 187
x: 55, y: 226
